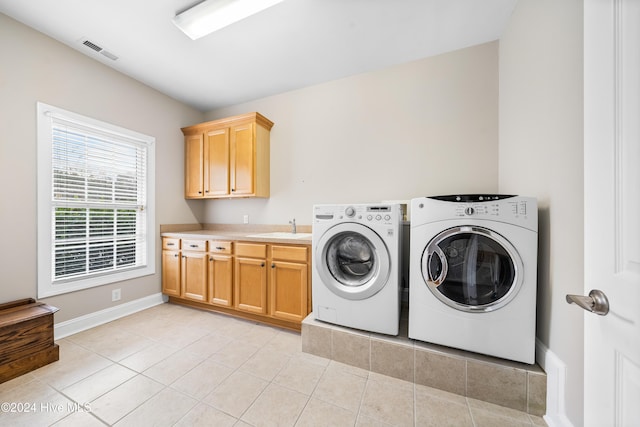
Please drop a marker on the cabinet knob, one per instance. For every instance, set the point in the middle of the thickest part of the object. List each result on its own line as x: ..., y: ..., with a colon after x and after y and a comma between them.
x: 199, y: 192
x: 210, y: 259
x: 262, y: 265
x: 273, y: 265
x: 233, y: 189
x: 175, y: 256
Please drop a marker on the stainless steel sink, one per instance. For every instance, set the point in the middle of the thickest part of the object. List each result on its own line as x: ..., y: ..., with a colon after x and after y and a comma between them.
x: 281, y: 235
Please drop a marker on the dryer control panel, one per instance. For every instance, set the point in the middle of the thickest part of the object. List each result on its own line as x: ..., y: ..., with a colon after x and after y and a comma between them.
x: 516, y: 210
x: 517, y: 207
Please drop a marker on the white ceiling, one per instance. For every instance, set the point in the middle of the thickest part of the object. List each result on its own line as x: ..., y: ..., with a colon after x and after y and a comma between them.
x: 292, y: 45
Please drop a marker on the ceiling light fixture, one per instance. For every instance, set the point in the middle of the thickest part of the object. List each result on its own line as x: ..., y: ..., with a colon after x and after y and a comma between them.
x: 212, y: 15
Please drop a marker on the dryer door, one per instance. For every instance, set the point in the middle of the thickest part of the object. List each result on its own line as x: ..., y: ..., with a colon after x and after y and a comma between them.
x: 353, y: 261
x: 472, y: 269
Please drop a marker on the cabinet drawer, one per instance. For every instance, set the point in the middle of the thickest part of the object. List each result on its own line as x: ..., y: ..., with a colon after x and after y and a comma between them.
x: 251, y: 250
x: 289, y: 253
x: 220, y: 247
x: 194, y: 245
x: 170, y: 243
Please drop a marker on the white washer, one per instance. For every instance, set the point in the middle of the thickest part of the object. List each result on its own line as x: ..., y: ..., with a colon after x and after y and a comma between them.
x: 473, y: 273
x: 356, y: 266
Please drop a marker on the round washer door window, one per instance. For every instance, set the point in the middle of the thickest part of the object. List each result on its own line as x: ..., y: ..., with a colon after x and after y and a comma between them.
x: 472, y: 269
x: 352, y: 261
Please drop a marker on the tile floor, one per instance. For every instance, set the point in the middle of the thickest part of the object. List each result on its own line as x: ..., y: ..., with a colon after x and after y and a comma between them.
x: 172, y: 365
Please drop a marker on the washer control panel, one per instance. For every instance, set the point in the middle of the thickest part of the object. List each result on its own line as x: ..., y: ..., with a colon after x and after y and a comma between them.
x: 373, y: 214
x: 381, y: 214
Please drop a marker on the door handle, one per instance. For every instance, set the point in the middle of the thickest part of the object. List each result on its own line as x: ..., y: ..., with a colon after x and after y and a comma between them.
x: 596, y: 302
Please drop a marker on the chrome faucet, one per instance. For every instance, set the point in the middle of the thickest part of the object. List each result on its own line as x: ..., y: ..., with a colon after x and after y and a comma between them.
x: 293, y: 225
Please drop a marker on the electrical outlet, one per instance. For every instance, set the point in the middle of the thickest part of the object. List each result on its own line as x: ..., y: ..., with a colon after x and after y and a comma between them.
x: 116, y: 294
x: 245, y: 219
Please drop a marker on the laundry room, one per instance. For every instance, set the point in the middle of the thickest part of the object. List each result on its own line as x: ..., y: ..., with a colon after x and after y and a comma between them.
x: 498, y: 117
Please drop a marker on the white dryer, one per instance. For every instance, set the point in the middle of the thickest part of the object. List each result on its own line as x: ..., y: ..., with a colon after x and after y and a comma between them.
x: 356, y: 266
x: 473, y: 273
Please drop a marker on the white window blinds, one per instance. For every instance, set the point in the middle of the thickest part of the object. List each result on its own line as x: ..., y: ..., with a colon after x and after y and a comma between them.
x: 97, y: 201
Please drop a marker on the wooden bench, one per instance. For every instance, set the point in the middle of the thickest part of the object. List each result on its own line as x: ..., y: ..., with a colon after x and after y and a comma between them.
x: 26, y: 337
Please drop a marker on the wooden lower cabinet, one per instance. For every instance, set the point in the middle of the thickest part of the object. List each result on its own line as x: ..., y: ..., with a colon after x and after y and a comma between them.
x: 289, y: 282
x: 220, y: 273
x: 288, y: 290
x: 251, y: 285
x: 250, y: 280
x: 220, y: 276
x: 258, y: 281
x: 171, y: 270
x: 194, y: 275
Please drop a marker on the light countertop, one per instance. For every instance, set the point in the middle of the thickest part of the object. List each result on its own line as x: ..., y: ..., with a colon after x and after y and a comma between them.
x: 264, y: 234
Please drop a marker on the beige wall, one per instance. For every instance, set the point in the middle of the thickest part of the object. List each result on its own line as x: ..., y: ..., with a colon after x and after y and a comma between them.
x: 541, y: 154
x: 34, y: 68
x: 422, y: 128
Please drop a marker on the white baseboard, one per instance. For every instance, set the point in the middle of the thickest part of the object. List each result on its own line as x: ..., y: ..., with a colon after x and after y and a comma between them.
x: 556, y: 379
x: 82, y: 323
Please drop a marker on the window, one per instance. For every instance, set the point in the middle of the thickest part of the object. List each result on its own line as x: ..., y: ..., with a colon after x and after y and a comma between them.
x: 95, y: 202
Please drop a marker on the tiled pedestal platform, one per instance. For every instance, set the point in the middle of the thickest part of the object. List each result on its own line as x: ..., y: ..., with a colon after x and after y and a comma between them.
x: 514, y: 385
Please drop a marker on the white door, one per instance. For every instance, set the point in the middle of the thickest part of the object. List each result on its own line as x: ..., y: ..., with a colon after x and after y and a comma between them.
x: 612, y: 210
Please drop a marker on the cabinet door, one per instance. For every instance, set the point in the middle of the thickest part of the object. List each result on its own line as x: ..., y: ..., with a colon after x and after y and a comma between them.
x: 193, y: 166
x: 217, y: 158
x: 171, y: 273
x: 194, y: 275
x: 250, y: 285
x: 242, y: 159
x: 220, y: 280
x: 288, y: 290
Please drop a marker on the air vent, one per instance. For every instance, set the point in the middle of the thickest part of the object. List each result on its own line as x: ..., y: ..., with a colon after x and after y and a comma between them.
x: 93, y: 46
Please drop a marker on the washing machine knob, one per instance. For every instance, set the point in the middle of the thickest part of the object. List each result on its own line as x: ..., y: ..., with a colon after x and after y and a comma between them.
x: 350, y: 212
x: 469, y: 210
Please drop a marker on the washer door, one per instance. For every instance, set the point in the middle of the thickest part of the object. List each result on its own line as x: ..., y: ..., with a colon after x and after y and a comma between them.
x: 472, y: 269
x: 352, y: 261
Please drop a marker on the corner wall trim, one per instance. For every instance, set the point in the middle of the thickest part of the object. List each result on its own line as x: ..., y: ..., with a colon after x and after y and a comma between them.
x: 556, y: 379
x: 91, y: 320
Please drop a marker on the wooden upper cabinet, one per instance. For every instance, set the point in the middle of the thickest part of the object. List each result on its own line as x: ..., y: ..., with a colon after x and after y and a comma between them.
x: 242, y: 159
x: 193, y: 166
x: 231, y: 159
x: 216, y: 160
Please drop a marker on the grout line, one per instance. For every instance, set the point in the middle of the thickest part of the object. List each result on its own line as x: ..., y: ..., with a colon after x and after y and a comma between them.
x: 473, y: 421
x: 324, y: 370
x: 466, y: 377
